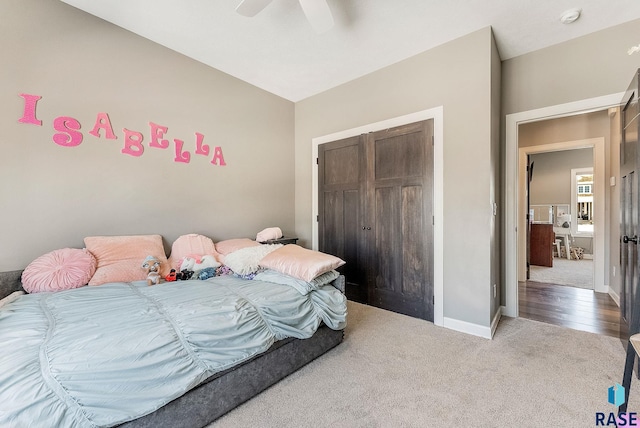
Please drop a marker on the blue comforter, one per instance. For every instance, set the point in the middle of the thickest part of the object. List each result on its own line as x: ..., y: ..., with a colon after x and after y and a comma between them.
x: 100, y: 356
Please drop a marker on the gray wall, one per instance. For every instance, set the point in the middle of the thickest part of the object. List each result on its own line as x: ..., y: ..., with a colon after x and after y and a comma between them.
x: 456, y: 75
x: 587, y: 67
x: 496, y: 176
x: 551, y: 182
x: 54, y: 196
x: 582, y: 68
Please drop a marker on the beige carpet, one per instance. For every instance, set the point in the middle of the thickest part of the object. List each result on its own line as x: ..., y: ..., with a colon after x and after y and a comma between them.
x: 576, y: 273
x: 396, y: 371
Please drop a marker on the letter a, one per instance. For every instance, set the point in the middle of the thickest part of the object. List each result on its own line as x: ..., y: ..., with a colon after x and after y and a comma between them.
x: 102, y: 121
x: 217, y: 156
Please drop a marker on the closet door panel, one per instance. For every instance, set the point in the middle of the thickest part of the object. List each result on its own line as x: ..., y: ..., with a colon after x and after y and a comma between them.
x: 340, y: 200
x: 386, y: 243
x: 413, y: 250
x: 400, y: 184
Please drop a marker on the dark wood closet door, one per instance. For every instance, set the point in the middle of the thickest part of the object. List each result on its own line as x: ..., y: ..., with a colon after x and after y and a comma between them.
x: 340, y: 200
x: 399, y: 218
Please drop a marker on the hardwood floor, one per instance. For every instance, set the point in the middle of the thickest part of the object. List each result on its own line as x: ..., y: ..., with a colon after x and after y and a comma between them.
x: 570, y: 307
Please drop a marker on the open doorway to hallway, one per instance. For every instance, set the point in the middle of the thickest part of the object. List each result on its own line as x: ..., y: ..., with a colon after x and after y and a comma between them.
x: 561, y: 199
x: 561, y: 215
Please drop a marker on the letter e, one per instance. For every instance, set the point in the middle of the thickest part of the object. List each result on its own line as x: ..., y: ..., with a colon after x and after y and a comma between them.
x: 157, y: 132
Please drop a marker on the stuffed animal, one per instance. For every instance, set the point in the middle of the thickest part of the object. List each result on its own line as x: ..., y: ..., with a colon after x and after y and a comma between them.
x: 184, y: 275
x: 197, y: 263
x: 178, y: 276
x: 206, y: 273
x: 171, y: 276
x: 152, y: 266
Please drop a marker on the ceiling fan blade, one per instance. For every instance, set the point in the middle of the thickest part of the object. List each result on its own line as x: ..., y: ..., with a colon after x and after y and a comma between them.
x: 318, y: 14
x: 251, y: 8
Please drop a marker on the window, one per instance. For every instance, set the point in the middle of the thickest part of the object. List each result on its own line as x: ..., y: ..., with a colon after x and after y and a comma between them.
x: 584, y: 189
x: 582, y: 201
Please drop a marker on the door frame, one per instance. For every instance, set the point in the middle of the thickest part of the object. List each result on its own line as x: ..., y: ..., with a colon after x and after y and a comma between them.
x: 511, y: 181
x: 598, y: 153
x: 437, y: 114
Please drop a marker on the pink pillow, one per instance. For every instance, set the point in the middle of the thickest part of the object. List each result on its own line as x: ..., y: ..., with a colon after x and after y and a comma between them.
x: 120, y: 258
x: 298, y: 262
x: 231, y: 245
x: 191, y: 244
x: 59, y: 270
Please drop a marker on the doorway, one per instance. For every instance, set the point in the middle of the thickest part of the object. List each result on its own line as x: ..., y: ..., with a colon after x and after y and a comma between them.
x: 561, y: 212
x: 512, y: 192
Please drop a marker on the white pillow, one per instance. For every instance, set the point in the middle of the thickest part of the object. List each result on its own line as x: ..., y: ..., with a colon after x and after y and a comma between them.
x: 247, y: 260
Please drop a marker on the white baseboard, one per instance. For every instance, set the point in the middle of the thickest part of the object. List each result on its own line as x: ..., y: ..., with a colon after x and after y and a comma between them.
x: 614, y: 296
x: 467, y: 327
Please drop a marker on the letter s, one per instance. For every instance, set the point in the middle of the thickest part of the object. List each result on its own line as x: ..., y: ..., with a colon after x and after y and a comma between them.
x: 69, y: 136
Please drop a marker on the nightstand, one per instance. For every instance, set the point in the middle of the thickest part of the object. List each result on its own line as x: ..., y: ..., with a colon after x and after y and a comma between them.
x: 284, y: 240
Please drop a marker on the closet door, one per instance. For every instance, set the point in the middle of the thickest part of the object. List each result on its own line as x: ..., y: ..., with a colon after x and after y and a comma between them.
x: 340, y: 201
x: 399, y: 218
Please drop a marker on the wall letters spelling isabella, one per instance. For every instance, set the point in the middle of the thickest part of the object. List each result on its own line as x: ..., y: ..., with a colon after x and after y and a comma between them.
x: 69, y: 135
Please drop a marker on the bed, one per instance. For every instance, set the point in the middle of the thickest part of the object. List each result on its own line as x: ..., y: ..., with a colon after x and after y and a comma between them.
x: 44, y: 383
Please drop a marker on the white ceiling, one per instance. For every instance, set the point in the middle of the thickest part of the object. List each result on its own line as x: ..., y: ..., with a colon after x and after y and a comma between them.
x: 278, y: 51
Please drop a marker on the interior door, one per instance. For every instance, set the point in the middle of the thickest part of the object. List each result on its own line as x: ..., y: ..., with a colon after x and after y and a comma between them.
x: 399, y: 218
x: 629, y: 212
x: 340, y: 200
x: 528, y: 215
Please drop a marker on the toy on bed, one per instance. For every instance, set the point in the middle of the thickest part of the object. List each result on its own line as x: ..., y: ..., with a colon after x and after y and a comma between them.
x: 152, y: 266
x: 183, y: 275
x: 195, y: 266
x: 197, y: 263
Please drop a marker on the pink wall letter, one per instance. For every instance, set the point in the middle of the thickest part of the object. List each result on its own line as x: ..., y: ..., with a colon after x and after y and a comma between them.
x: 157, y: 132
x: 69, y: 136
x: 29, y: 114
x: 181, y: 156
x: 201, y: 149
x: 217, y: 156
x: 102, y: 121
x: 132, y: 143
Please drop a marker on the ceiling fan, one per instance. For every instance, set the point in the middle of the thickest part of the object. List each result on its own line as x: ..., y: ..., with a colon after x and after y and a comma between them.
x: 316, y: 11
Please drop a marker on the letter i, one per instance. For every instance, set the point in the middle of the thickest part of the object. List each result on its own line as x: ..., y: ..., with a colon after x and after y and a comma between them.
x: 29, y: 114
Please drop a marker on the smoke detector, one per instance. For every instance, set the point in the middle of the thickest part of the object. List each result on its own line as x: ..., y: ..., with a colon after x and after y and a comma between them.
x: 569, y: 16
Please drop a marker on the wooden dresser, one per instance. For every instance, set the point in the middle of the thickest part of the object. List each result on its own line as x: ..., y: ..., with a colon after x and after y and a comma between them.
x: 541, y: 244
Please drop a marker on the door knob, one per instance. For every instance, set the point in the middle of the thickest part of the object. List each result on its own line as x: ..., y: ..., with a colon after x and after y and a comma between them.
x: 626, y: 239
